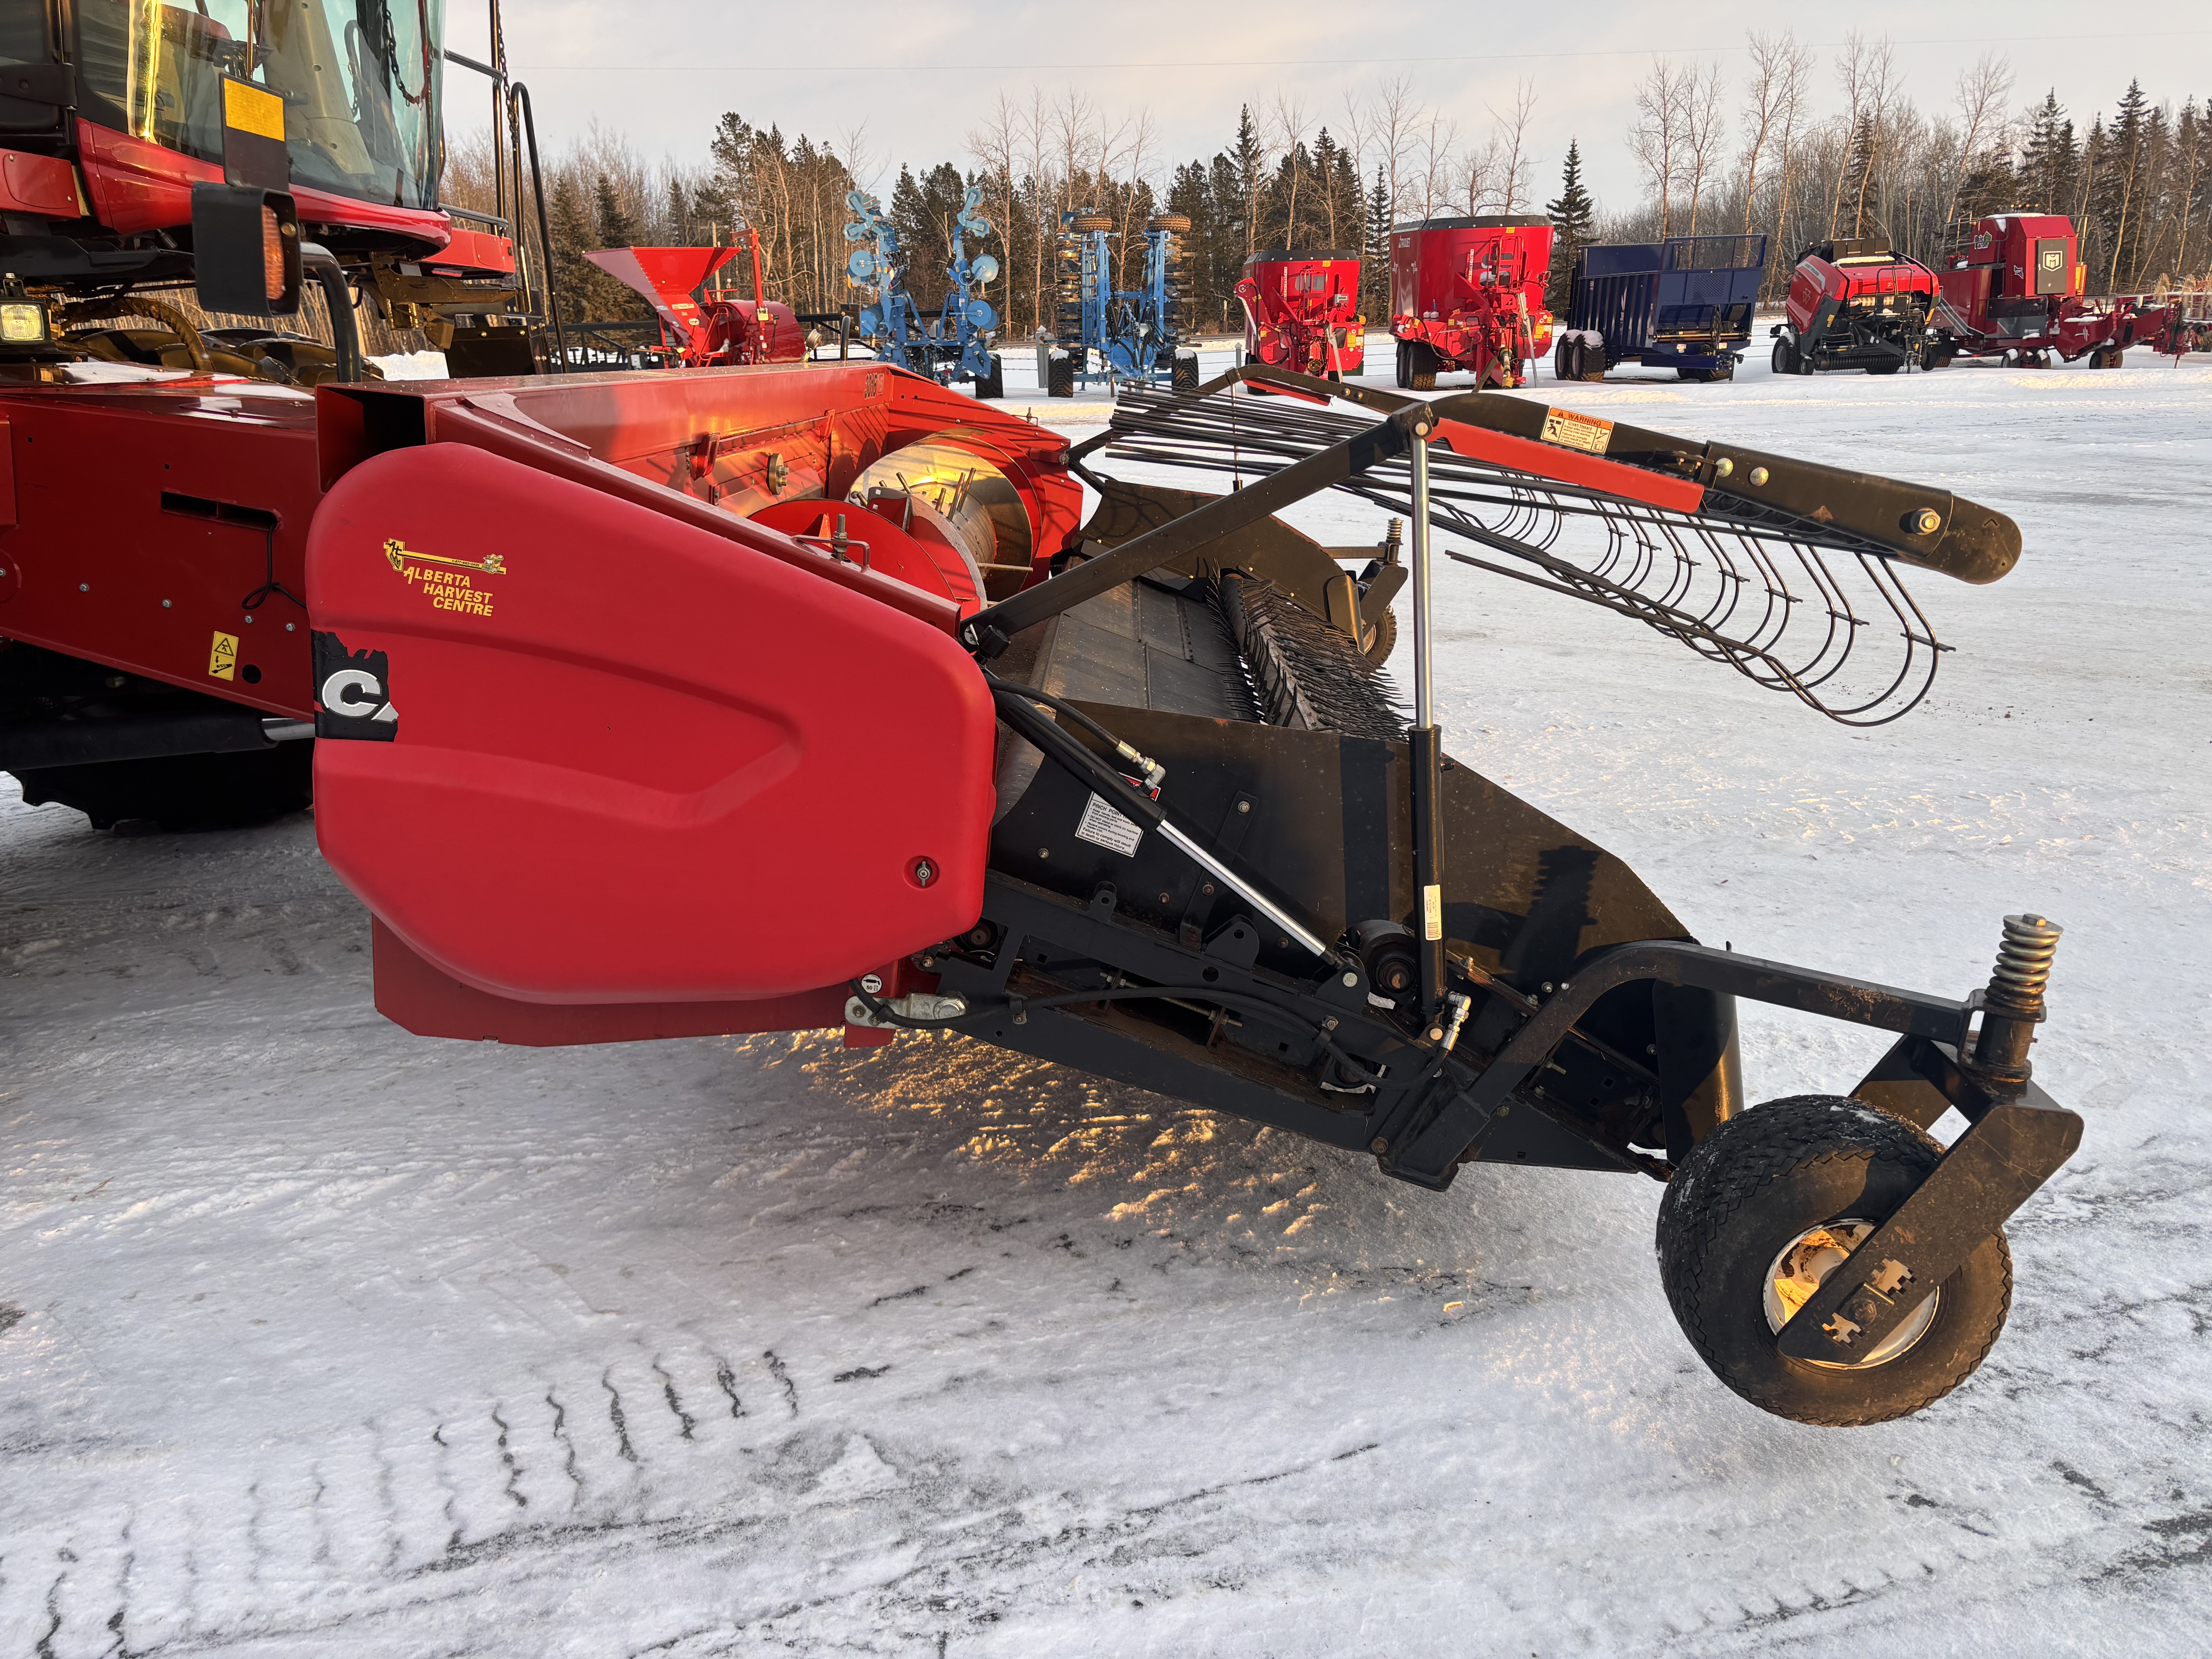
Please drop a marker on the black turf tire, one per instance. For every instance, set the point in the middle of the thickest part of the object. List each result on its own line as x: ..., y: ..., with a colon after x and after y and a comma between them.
x: 1060, y: 377
x: 994, y: 385
x: 1422, y: 364
x: 1404, y: 366
x: 182, y: 792
x: 1386, y: 638
x: 1758, y: 1181
x: 1566, y: 360
x: 1785, y: 357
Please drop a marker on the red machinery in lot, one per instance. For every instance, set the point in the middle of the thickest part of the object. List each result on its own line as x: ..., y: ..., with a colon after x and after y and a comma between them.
x: 2013, y: 287
x: 1300, y: 311
x: 1855, y: 304
x: 1467, y: 296
x: 714, y: 330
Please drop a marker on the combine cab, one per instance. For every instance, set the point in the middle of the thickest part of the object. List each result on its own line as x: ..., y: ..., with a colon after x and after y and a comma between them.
x: 1301, y: 312
x: 1467, y: 296
x: 1855, y: 304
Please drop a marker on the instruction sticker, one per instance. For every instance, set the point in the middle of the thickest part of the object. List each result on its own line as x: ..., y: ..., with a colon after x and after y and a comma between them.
x: 1101, y: 826
x: 1572, y: 431
x: 222, y: 656
x: 451, y: 583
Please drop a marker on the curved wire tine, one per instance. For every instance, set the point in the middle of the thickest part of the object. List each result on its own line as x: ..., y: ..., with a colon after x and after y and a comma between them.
x: 1725, y: 586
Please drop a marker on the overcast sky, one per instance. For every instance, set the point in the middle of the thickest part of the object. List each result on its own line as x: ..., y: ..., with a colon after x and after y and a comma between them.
x: 920, y: 75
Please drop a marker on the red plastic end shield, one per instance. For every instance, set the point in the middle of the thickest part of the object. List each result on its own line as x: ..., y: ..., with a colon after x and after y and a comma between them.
x: 571, y: 751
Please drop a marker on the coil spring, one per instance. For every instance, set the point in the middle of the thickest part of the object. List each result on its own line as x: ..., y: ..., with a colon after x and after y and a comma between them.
x: 2024, y: 958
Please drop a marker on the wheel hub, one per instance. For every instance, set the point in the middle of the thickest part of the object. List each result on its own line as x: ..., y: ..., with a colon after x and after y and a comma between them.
x: 1805, y: 1260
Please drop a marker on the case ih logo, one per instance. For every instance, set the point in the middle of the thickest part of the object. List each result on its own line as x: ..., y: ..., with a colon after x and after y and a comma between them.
x: 353, y: 692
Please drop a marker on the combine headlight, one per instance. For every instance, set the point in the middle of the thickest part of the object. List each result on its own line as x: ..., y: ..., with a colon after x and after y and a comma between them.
x: 22, y: 322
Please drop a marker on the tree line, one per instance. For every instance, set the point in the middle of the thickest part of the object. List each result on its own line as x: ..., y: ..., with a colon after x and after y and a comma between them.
x: 1793, y: 146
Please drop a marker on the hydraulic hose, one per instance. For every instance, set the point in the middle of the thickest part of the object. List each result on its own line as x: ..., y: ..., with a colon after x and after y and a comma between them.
x: 337, y: 296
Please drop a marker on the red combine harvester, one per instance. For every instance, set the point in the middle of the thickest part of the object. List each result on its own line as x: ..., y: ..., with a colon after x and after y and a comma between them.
x: 1855, y: 304
x: 713, y: 331
x: 2012, y: 289
x: 1300, y: 311
x: 775, y: 698
x: 1467, y: 296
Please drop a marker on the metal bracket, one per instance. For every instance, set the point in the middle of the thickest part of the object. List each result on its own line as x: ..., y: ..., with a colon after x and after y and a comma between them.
x: 1990, y: 1172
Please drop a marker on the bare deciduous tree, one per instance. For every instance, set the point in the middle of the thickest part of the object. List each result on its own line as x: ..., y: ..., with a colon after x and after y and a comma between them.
x: 1655, y: 136
x: 1509, y: 143
x: 1982, y: 92
x: 1704, y: 126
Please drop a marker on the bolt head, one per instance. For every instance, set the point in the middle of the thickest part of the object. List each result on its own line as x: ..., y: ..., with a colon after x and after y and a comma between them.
x: 1759, y: 474
x: 1351, y: 979
x: 1723, y: 467
x: 1927, y: 521
x: 1378, y: 1146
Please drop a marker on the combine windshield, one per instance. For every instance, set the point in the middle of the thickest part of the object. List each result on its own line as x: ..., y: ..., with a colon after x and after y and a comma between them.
x: 359, y: 80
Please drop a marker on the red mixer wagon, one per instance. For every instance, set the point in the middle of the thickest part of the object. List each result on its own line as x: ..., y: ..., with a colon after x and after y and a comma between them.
x: 1467, y: 296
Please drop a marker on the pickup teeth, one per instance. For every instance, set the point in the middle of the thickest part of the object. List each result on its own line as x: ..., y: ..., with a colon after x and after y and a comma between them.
x: 1305, y: 674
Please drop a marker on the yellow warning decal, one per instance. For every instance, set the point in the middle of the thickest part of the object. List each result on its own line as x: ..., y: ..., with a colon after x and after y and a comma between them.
x: 1573, y: 431
x: 222, y: 656
x: 250, y: 109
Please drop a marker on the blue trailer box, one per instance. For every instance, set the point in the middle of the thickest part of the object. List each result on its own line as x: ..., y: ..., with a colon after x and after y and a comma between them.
x: 1684, y: 305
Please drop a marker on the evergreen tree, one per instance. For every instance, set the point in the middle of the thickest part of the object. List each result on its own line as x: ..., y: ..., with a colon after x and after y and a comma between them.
x: 1250, y: 158
x: 2117, y: 207
x: 1374, y: 268
x: 1572, y: 215
x: 2047, y: 160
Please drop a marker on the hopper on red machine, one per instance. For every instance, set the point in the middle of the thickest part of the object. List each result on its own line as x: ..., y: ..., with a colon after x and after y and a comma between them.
x: 1855, y: 303
x: 715, y: 329
x: 1301, y: 312
x: 1467, y: 296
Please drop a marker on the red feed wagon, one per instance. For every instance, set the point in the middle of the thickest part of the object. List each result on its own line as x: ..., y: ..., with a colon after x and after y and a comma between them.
x: 1466, y: 296
x: 1301, y: 312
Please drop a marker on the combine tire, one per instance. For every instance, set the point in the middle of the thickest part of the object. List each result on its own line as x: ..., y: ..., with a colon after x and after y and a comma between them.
x: 1763, y: 1208
x: 182, y: 792
x: 1060, y: 377
x: 1184, y: 376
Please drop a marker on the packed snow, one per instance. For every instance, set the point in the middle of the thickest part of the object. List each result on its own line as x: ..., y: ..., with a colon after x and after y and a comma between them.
x: 317, y: 1338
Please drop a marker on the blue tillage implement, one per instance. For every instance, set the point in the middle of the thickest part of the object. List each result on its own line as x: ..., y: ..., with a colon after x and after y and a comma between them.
x: 1684, y: 305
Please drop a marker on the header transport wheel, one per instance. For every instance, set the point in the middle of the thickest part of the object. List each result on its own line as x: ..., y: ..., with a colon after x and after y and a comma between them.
x: 1771, y: 1203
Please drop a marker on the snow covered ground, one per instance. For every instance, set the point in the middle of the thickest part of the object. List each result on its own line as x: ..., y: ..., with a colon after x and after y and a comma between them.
x: 316, y: 1338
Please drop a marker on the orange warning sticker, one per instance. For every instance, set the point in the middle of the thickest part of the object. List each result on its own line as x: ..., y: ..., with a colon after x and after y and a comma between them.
x: 1573, y: 431
x: 222, y: 656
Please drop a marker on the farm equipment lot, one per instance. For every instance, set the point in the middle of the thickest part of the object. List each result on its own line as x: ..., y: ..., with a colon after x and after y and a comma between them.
x: 319, y: 1338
